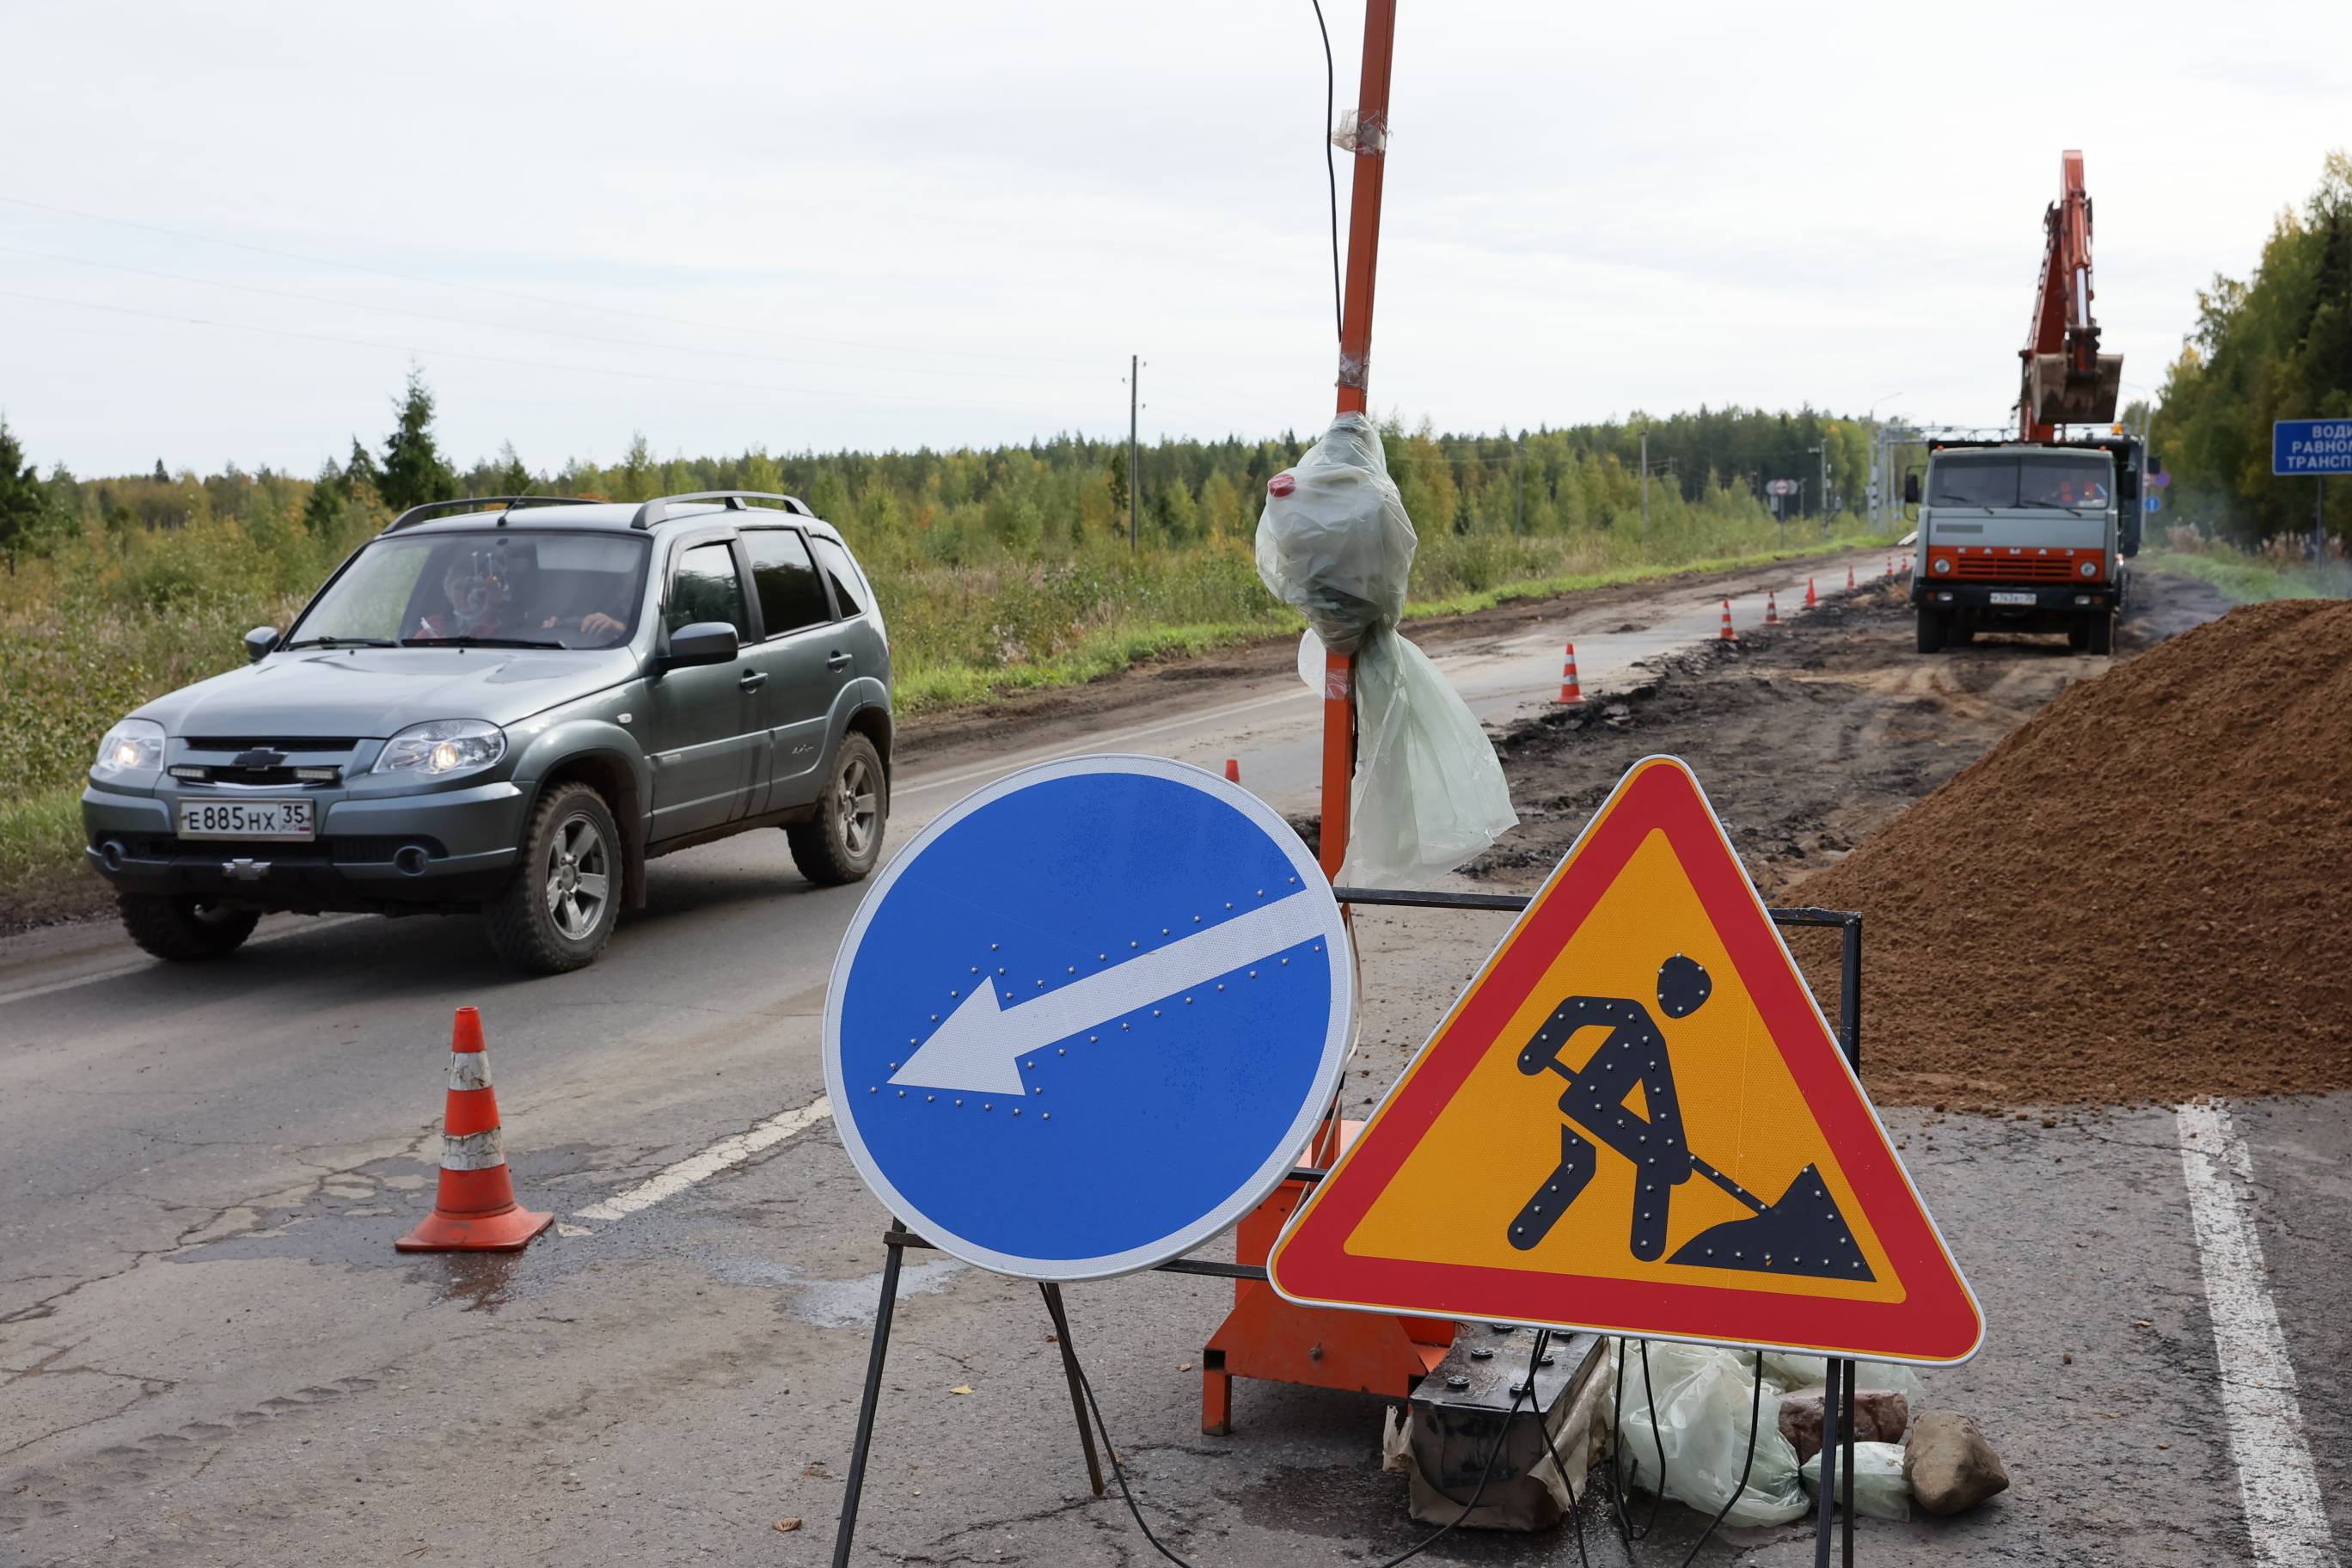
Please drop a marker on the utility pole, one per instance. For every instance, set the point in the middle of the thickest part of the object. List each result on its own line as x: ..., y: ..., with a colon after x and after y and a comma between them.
x: 1822, y: 452
x: 1519, y: 478
x: 1134, y: 370
x: 1646, y: 482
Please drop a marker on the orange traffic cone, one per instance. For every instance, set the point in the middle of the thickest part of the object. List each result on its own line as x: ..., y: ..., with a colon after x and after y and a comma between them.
x: 475, y: 1210
x: 1772, y: 608
x: 1849, y: 576
x: 1232, y: 769
x: 1727, y: 634
x: 1569, y: 691
x: 1811, y: 597
x: 1890, y: 566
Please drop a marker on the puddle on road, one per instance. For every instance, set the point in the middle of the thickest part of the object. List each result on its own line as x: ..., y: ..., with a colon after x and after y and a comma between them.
x: 836, y: 1303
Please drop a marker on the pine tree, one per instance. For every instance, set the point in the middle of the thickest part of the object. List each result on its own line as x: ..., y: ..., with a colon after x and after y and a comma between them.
x: 513, y: 479
x: 414, y: 470
x: 22, y: 497
x: 161, y: 476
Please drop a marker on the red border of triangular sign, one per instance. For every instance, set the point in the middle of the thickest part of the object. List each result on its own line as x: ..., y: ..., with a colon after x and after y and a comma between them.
x: 1937, y: 1320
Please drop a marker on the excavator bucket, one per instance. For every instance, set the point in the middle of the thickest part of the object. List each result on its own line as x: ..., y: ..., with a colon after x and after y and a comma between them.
x: 2062, y: 396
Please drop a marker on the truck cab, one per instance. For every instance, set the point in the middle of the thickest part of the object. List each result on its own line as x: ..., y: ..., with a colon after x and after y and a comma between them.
x: 2026, y: 536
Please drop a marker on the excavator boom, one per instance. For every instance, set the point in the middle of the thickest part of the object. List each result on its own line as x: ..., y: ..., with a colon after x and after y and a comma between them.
x: 2066, y: 380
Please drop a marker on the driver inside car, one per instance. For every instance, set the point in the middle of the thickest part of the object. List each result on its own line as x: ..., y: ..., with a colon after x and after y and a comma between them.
x: 477, y: 592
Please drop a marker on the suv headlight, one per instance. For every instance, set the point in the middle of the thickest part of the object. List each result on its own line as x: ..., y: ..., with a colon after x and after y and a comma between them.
x: 443, y: 747
x: 133, y: 746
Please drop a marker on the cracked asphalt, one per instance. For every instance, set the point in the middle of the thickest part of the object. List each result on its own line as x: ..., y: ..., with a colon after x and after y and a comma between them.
x: 210, y: 1353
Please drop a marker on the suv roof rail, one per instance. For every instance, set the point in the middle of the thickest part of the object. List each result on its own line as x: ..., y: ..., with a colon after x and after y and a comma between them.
x: 655, y: 509
x: 460, y: 503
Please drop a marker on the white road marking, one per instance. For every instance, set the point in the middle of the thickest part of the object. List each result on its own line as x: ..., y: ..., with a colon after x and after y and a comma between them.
x: 979, y: 1049
x: 2276, y: 1480
x: 730, y: 1151
x: 116, y: 972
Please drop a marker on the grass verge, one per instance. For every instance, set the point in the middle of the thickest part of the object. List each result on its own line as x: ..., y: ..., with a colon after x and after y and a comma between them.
x: 41, y: 872
x: 2249, y: 579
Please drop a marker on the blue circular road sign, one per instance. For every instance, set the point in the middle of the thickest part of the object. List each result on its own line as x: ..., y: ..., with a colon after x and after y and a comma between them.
x: 1088, y: 1017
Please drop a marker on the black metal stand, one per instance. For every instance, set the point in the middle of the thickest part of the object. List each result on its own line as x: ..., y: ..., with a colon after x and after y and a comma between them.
x: 898, y: 1238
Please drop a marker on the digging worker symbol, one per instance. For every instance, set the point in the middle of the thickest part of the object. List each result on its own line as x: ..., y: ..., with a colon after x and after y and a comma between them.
x: 1803, y: 1233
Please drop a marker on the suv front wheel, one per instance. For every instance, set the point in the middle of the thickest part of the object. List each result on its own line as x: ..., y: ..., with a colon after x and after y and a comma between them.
x: 560, y: 910
x: 844, y: 841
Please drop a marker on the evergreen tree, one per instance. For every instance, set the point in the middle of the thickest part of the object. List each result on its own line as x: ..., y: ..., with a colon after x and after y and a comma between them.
x: 162, y: 477
x: 414, y: 470
x: 22, y: 497
x: 513, y: 479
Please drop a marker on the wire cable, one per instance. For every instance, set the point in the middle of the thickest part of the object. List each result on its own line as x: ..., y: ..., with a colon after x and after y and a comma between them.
x: 1331, y: 171
x: 474, y: 322
x: 1739, y: 1488
x: 1526, y: 1393
x: 731, y: 328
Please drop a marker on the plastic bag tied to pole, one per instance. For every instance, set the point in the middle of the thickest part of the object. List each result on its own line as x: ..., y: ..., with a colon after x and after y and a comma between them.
x: 1334, y: 542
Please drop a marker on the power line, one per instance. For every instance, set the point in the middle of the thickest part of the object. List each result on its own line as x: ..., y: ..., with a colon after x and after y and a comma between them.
x: 523, y: 363
x: 547, y: 332
x: 533, y: 299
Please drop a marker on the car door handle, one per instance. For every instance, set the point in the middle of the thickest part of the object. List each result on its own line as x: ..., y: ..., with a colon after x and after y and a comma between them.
x: 753, y: 680
x: 837, y: 661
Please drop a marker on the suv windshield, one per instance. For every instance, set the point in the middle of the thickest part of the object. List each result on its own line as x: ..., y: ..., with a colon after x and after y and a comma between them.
x: 510, y: 587
x: 1991, y: 481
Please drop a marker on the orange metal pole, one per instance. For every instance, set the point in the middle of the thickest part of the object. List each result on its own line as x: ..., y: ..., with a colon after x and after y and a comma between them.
x: 1355, y: 357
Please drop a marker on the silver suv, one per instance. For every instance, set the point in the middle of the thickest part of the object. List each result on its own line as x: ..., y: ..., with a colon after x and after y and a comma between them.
x: 509, y: 710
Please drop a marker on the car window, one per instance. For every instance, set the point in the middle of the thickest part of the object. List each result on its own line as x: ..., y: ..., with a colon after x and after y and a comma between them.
x: 791, y: 597
x: 848, y: 586
x: 706, y: 589
x: 568, y: 590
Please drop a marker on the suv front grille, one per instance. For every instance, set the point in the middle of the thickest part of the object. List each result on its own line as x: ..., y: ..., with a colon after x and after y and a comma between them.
x: 304, y: 745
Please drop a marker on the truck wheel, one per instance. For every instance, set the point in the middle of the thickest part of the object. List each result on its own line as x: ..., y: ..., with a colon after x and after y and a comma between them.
x: 844, y: 841
x: 559, y: 910
x: 2102, y: 638
x: 183, y: 930
x: 1931, y: 631
x: 2078, y: 633
x: 1961, y: 632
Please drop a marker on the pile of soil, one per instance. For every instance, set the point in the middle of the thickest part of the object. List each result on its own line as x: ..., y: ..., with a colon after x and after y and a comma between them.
x: 2144, y: 894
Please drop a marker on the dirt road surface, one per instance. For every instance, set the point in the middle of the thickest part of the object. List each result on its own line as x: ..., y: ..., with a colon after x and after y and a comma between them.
x: 209, y: 1352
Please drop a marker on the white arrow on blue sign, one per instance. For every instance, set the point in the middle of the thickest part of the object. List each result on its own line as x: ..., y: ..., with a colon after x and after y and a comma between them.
x: 1088, y: 1017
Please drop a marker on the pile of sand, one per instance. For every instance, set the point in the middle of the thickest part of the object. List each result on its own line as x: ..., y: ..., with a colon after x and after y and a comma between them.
x: 2143, y: 894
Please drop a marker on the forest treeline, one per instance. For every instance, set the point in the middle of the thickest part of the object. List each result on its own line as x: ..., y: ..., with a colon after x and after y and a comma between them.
x: 951, y: 507
x: 2275, y: 346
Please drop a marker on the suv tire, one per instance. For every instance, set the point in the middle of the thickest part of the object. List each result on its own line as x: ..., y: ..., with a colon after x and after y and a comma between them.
x: 179, y: 929
x: 558, y: 911
x: 843, y: 843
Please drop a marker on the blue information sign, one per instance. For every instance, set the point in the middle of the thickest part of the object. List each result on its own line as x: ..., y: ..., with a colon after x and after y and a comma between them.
x: 2152, y: 502
x: 1088, y: 1017
x: 2311, y: 447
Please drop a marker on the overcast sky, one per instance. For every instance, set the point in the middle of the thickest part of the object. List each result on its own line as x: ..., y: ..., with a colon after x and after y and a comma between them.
x: 801, y: 225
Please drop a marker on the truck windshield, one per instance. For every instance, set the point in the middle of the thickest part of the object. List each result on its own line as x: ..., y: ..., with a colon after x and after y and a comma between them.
x: 1992, y: 480
x: 512, y: 587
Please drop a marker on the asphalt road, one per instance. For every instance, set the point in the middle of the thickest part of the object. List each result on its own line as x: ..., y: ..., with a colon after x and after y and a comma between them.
x: 210, y: 1353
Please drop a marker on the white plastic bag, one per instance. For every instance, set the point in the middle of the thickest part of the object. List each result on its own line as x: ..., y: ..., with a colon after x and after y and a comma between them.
x: 1428, y: 794
x: 1879, y: 1489
x: 1334, y: 542
x: 1795, y: 1371
x: 1704, y: 1395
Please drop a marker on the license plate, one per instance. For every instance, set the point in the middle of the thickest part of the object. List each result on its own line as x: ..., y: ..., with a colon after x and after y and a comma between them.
x: 2013, y: 598
x: 249, y: 819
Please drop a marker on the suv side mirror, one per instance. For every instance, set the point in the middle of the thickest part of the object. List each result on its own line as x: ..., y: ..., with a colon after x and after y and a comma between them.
x: 700, y: 642
x: 260, y: 643
x: 1911, y: 490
